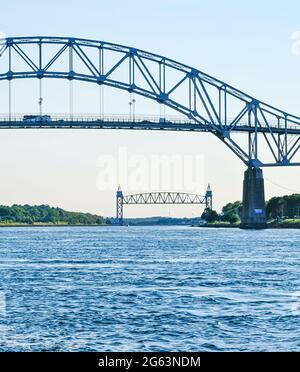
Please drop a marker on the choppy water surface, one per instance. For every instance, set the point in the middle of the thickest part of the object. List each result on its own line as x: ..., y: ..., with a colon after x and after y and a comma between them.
x: 149, y: 289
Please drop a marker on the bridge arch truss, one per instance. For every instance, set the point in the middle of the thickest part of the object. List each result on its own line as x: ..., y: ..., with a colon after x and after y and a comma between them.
x: 209, y: 104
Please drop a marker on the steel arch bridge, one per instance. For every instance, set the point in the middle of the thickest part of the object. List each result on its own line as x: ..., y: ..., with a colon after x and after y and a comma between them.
x: 259, y: 134
x: 208, y: 104
x: 160, y: 198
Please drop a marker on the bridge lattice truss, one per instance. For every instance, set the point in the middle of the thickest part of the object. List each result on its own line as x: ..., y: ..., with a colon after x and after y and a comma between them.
x: 272, y: 135
x: 165, y: 198
x: 160, y: 198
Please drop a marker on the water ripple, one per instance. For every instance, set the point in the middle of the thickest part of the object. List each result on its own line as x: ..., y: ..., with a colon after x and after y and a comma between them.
x: 149, y: 289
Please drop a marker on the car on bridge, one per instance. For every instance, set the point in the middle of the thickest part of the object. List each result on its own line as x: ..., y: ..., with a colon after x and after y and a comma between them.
x: 37, y: 119
x: 164, y: 120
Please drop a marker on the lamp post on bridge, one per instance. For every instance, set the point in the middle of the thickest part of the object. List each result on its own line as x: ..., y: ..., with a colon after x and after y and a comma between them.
x: 40, y: 99
x: 41, y: 106
x: 132, y: 109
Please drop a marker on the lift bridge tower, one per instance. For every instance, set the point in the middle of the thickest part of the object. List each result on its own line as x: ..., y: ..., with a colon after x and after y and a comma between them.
x: 160, y: 198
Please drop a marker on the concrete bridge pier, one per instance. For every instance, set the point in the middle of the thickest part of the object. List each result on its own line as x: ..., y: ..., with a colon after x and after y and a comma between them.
x: 254, y: 205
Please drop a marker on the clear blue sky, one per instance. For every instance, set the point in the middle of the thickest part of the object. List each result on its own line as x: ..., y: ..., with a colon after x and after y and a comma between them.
x: 247, y: 44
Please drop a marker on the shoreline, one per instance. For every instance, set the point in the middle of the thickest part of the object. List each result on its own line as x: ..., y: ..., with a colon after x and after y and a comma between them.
x: 209, y: 226
x: 51, y: 225
x: 268, y: 227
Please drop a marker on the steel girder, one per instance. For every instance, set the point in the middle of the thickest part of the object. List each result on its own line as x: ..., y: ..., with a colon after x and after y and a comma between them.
x: 160, y: 198
x: 123, y: 122
x: 207, y: 102
x: 165, y: 198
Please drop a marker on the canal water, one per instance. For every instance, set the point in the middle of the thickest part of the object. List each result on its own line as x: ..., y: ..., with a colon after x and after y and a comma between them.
x: 149, y: 289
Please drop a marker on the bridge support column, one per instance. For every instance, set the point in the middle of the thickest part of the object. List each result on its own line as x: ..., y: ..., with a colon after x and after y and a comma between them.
x: 254, y: 206
x: 208, y: 198
x: 119, y: 206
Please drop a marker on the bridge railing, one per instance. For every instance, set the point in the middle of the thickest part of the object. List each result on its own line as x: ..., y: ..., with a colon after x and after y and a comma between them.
x: 57, y: 118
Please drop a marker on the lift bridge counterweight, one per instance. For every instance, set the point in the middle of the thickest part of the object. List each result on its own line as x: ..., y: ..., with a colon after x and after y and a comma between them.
x: 160, y: 198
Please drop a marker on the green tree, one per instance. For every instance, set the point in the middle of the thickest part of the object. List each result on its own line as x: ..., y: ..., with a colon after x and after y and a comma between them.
x: 46, y: 214
x: 231, y: 212
x: 286, y: 206
x: 5, y: 212
x: 210, y: 215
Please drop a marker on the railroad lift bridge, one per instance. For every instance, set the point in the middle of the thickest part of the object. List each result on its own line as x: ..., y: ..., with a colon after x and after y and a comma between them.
x: 160, y: 198
x: 259, y: 134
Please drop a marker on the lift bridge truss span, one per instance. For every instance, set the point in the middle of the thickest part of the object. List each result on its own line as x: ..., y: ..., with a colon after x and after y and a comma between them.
x: 160, y: 198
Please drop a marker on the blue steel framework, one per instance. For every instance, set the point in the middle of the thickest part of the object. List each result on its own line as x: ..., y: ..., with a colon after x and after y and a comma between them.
x: 160, y: 198
x: 141, y: 122
x: 208, y: 103
x: 271, y: 136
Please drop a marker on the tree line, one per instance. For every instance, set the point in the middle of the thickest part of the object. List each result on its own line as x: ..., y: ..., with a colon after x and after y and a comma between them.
x: 283, y: 207
x: 45, y: 214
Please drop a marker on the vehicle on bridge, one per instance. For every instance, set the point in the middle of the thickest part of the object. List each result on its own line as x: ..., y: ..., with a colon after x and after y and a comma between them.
x: 37, y: 119
x: 163, y: 120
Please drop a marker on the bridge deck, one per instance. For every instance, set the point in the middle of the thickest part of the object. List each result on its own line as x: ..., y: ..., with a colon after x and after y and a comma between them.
x: 138, y: 124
